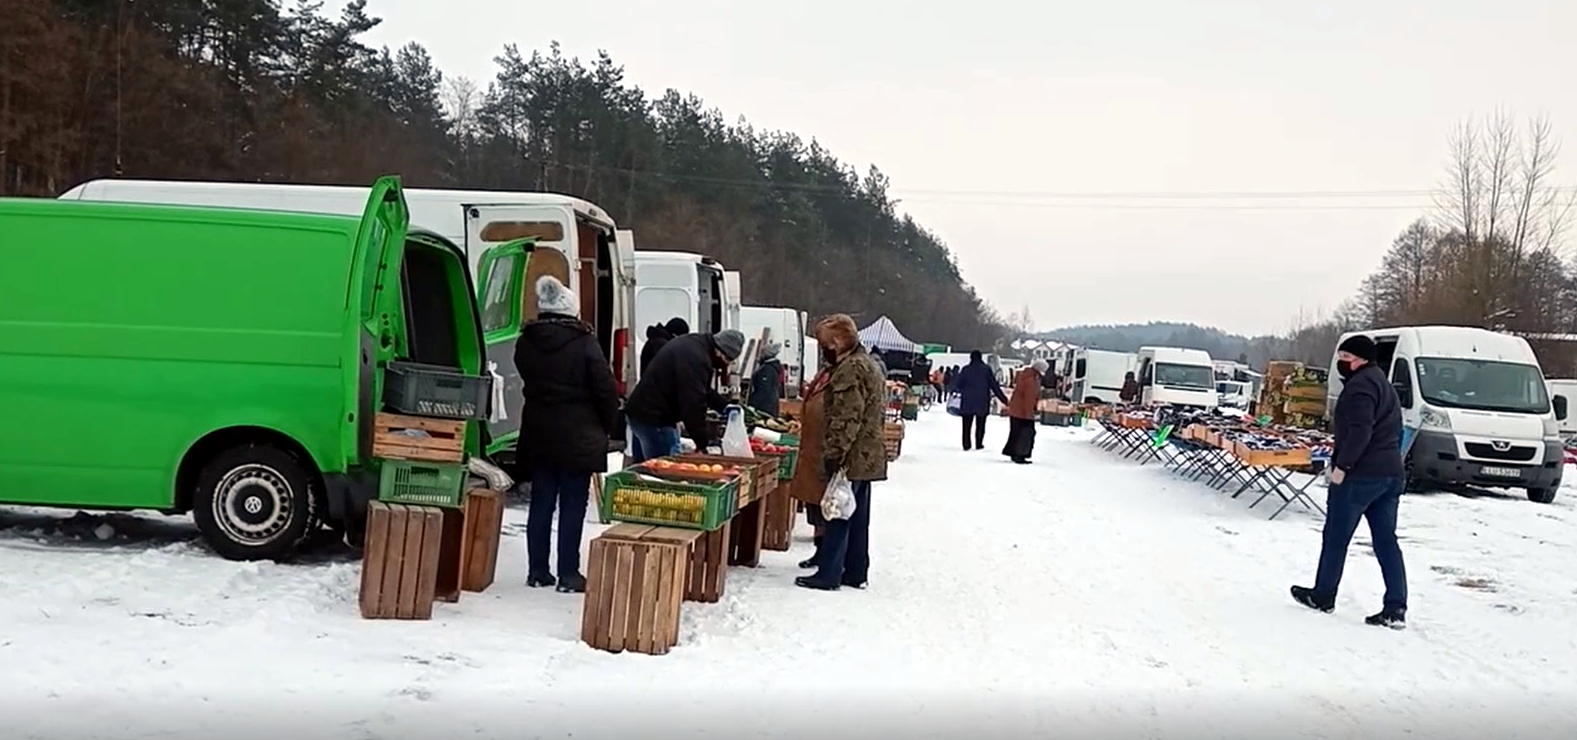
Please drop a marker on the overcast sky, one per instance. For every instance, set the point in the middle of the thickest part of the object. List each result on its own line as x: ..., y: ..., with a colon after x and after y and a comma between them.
x: 989, y: 115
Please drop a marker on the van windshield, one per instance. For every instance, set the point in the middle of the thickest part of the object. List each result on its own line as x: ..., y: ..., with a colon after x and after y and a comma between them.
x: 1483, y: 385
x: 1185, y: 376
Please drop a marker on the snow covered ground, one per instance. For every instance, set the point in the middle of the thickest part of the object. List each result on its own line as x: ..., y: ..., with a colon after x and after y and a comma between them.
x: 1081, y: 596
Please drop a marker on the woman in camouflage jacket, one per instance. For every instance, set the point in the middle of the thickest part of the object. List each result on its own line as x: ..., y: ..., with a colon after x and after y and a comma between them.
x: 856, y: 396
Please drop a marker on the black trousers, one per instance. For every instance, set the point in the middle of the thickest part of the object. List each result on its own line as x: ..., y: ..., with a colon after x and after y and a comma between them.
x: 978, y: 421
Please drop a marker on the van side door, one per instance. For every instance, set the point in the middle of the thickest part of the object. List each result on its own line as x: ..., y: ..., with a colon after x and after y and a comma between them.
x: 501, y: 293
x: 372, y: 304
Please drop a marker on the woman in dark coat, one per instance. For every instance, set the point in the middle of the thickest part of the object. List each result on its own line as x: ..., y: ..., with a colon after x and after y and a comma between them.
x: 570, y: 410
x: 976, y: 385
x: 766, y: 385
x: 1022, y: 408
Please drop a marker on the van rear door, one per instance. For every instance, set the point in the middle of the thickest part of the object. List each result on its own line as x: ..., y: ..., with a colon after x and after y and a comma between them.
x: 500, y: 294
x: 371, y: 299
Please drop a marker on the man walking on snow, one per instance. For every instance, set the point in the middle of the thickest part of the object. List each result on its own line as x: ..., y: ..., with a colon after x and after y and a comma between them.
x: 1367, y: 478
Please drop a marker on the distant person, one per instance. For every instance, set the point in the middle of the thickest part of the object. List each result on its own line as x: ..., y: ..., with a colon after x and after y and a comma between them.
x: 976, y: 385
x: 1130, y: 389
x: 572, y: 405
x: 1367, y: 478
x: 881, y: 364
x: 658, y: 336
x: 678, y: 388
x: 1022, y: 410
x: 766, y: 385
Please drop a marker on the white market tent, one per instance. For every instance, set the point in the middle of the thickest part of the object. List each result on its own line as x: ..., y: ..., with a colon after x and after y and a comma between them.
x: 883, y: 335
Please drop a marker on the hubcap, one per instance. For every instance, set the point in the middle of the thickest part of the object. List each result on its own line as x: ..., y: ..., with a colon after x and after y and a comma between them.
x: 253, y: 503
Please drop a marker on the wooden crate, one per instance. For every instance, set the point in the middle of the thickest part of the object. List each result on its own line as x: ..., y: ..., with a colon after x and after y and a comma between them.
x: 483, y: 527
x: 762, y: 471
x: 778, y: 534
x: 791, y: 408
x: 445, y: 440
x: 635, y: 582
x: 400, y: 564
x: 749, y: 526
x: 1295, y: 457
x: 707, y: 575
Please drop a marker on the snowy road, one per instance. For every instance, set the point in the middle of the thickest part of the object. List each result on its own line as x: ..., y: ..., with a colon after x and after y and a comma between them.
x: 1079, y: 596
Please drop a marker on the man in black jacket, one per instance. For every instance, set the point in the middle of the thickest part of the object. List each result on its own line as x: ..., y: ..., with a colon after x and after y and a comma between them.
x: 658, y: 336
x: 677, y: 388
x: 1367, y: 478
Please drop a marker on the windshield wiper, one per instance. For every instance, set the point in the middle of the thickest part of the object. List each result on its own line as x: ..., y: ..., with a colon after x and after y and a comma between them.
x: 1481, y: 407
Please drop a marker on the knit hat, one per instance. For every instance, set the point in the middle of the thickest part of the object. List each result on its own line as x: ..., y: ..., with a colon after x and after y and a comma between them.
x: 677, y: 326
x: 1040, y: 365
x: 1359, y: 346
x: 771, y: 350
x: 553, y: 297
x: 730, y: 342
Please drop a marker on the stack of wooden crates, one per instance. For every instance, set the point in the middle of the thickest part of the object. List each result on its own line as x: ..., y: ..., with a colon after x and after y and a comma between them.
x: 427, y: 539
x: 1293, y: 395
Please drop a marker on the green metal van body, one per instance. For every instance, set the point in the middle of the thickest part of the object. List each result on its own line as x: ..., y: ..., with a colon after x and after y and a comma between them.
x: 138, y: 340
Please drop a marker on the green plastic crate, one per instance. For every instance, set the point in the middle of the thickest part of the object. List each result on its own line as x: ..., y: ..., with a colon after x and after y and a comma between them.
x: 672, y: 504
x: 786, y: 462
x: 422, y: 484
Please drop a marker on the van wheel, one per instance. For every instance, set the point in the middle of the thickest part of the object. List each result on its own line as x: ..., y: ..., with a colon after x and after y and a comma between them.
x: 1541, y: 495
x: 255, y: 502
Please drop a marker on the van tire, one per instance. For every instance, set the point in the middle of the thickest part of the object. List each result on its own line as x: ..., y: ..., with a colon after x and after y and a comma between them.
x: 1541, y: 495
x: 255, y: 502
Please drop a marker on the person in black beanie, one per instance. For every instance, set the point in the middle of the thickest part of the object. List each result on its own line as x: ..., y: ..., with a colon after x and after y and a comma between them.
x: 1367, y: 479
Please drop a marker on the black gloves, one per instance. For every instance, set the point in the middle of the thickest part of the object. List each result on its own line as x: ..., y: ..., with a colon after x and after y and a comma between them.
x: 830, y: 467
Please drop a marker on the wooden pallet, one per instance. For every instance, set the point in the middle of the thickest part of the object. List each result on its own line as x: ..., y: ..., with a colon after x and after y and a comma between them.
x: 444, y: 440
x: 483, y: 518
x: 778, y: 534
x: 399, y: 567
x: 749, y: 526
x: 635, y: 582
x: 708, y: 571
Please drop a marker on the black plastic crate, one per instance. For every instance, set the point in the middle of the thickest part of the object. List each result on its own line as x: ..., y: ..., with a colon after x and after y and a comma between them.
x: 434, y: 390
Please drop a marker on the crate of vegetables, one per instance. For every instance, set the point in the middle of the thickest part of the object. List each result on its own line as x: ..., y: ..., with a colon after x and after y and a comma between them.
x: 761, y: 472
x: 634, y: 496
x: 787, y: 455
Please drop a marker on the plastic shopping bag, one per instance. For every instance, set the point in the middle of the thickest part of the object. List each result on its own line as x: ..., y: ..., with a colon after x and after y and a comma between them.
x: 953, y: 405
x: 736, y: 441
x: 498, y: 412
x: 837, y: 502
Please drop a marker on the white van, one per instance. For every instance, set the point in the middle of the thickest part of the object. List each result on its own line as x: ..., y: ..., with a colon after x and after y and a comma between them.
x: 1178, y: 377
x: 669, y: 284
x: 1097, y: 375
x: 1477, y: 405
x: 787, y: 327
x: 1233, y: 394
x: 733, y: 299
x: 580, y: 237
x: 1567, y: 388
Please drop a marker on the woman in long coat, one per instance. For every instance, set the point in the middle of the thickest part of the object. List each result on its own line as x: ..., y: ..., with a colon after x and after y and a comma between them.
x: 806, y: 486
x: 1021, y: 413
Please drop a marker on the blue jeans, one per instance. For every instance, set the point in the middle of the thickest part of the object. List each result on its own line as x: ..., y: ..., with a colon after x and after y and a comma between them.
x: 569, y: 491
x: 648, y: 442
x: 1375, y: 499
x: 845, y: 552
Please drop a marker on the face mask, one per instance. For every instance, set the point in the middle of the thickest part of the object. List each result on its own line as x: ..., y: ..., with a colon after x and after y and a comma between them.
x: 828, y: 355
x: 1345, y: 369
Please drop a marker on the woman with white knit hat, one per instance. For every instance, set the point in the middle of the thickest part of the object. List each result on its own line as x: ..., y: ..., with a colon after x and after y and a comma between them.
x: 570, y: 410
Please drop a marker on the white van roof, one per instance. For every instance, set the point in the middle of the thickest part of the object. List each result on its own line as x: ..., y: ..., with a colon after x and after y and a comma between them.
x: 662, y: 256
x: 109, y: 189
x: 1459, y: 341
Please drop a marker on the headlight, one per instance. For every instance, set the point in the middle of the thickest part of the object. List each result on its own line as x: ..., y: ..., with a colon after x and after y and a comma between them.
x: 1429, y: 418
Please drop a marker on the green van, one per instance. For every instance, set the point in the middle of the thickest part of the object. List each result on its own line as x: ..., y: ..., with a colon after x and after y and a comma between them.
x: 226, y: 363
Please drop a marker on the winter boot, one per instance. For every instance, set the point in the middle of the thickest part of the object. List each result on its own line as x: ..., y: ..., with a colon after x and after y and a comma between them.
x: 572, y: 584
x: 813, y: 584
x: 539, y: 580
x: 1306, y: 597
x: 1020, y: 461
x: 808, y: 564
x: 1393, y: 618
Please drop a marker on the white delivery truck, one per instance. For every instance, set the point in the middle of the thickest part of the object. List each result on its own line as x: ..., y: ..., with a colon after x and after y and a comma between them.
x: 1177, y: 377
x: 577, y: 242
x: 787, y: 327
x: 670, y: 284
x: 1566, y: 387
x: 1475, y: 405
x: 1097, y: 375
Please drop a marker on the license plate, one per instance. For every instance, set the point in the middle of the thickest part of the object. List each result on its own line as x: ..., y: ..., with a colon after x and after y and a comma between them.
x: 1501, y: 472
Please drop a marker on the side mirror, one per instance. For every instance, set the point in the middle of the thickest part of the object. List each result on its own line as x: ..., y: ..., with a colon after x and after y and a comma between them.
x: 1404, y: 393
x: 1560, y: 408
